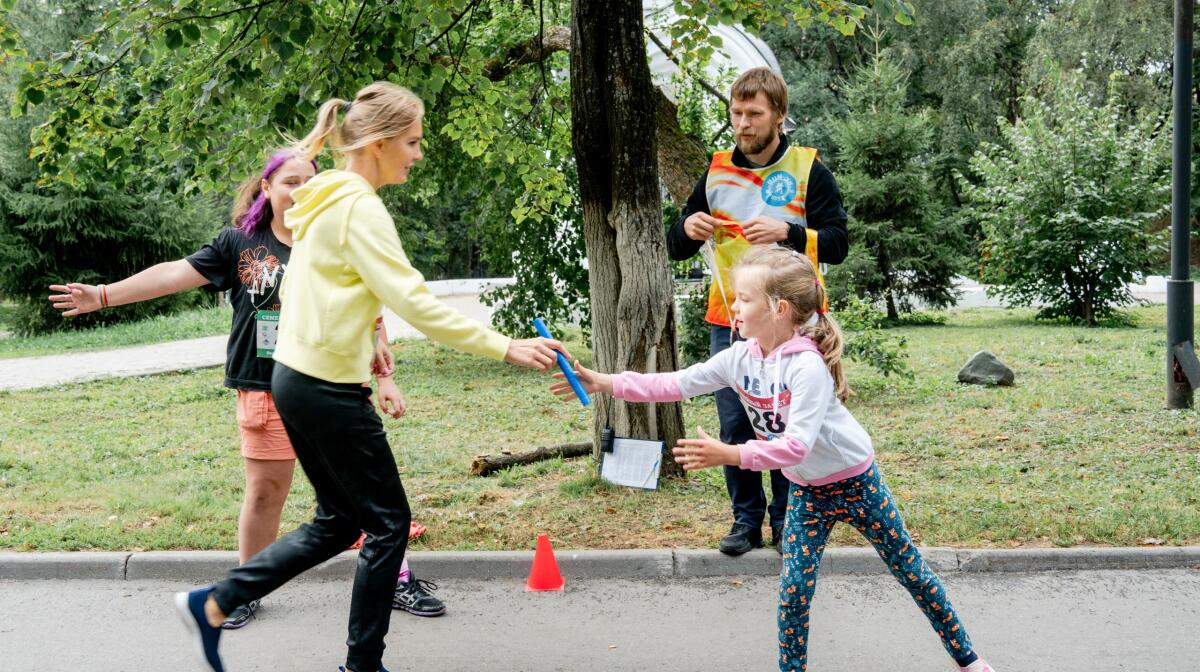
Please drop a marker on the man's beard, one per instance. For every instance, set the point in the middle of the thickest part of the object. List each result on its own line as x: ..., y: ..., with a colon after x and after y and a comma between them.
x: 754, y: 145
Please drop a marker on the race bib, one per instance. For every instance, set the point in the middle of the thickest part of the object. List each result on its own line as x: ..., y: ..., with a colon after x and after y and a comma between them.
x: 266, y: 331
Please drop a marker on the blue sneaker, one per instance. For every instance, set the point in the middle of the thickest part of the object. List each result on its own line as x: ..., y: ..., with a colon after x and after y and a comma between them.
x: 191, y: 610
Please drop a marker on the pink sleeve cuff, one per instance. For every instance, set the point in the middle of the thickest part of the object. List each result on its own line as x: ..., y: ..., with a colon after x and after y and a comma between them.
x: 632, y: 386
x: 784, y: 451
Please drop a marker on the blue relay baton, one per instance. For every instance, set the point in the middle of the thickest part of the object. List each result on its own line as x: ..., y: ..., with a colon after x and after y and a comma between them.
x: 563, y: 364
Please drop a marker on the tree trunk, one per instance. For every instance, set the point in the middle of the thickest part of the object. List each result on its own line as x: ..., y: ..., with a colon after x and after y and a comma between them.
x: 613, y: 115
x: 889, y: 285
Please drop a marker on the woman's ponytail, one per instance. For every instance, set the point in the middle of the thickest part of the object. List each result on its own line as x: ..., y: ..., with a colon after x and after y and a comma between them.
x: 378, y: 111
x: 326, y: 129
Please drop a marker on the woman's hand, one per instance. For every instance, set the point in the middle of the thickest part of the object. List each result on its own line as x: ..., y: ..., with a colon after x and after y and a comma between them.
x: 391, y: 401
x: 705, y: 452
x: 384, y: 362
x: 76, y: 298
x: 592, y: 382
x: 535, y: 353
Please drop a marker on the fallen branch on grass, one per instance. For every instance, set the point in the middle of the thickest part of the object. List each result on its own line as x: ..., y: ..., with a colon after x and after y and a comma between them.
x: 487, y: 464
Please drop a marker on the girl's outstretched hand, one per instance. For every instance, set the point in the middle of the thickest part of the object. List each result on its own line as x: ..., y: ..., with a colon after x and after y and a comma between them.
x: 705, y: 452
x: 76, y: 298
x: 591, y: 380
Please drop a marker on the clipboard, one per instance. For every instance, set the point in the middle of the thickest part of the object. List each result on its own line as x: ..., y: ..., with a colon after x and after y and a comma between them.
x: 633, y: 463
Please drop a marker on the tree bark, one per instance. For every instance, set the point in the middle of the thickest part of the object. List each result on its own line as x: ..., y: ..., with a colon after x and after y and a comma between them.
x: 681, y: 158
x: 613, y: 114
x: 483, y: 465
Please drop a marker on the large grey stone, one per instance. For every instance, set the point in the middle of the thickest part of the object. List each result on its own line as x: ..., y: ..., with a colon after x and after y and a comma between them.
x: 984, y: 368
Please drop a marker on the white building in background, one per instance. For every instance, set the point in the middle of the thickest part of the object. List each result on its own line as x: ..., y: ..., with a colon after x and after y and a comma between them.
x: 740, y: 51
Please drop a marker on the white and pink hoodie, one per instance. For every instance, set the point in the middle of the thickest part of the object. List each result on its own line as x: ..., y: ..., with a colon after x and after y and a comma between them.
x: 802, y: 427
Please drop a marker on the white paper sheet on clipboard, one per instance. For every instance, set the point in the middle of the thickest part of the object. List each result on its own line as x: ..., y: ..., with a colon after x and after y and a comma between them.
x: 635, y: 463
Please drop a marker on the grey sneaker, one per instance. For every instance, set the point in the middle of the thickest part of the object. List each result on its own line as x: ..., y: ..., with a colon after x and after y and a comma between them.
x: 240, y: 616
x: 414, y: 597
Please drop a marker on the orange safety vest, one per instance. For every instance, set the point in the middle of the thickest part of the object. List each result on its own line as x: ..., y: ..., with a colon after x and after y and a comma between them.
x: 736, y: 194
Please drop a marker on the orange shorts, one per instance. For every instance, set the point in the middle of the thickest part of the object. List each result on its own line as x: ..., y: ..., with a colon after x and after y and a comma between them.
x: 263, y: 435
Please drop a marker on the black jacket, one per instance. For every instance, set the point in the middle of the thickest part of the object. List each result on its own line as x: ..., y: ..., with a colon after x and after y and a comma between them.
x: 825, y: 214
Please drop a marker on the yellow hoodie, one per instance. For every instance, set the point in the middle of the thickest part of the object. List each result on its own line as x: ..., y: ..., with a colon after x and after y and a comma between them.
x: 346, y: 260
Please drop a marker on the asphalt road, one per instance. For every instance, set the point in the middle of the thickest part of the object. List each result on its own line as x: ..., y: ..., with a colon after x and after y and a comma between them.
x: 1052, y: 621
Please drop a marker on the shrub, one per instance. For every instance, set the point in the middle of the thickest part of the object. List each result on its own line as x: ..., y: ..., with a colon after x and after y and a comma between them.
x: 1065, y: 205
x: 94, y: 234
x: 694, y: 336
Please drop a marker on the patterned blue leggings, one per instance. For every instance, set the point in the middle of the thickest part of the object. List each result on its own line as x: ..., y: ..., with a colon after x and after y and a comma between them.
x: 865, y: 502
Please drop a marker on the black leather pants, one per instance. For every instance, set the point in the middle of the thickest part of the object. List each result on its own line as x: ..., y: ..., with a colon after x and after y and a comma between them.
x: 342, y: 447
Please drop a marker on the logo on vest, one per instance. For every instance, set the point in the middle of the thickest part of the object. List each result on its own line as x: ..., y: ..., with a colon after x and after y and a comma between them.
x: 779, y: 189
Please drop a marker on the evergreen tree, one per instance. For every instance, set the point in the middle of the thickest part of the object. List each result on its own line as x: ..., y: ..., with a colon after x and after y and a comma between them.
x: 100, y: 230
x: 905, y: 248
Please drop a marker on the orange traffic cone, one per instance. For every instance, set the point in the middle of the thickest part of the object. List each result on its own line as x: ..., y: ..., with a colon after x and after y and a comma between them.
x: 544, y: 575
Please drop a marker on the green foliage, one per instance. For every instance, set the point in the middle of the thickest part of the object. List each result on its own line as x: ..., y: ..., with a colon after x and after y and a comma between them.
x: 198, y: 88
x: 1065, y: 206
x: 547, y: 261
x: 906, y: 248
x: 866, y: 340
x: 965, y: 61
x: 1098, y: 38
x: 95, y: 230
x: 813, y: 97
x: 205, y: 85
x: 695, y: 336
x: 92, y: 234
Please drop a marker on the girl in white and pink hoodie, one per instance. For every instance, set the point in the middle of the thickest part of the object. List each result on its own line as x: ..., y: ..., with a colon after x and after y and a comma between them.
x: 789, y: 377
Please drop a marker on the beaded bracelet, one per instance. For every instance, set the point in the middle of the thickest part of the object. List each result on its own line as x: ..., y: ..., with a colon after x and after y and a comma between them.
x: 103, y: 296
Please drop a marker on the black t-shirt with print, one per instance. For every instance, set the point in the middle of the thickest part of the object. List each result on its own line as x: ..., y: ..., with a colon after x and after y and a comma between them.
x: 252, y: 266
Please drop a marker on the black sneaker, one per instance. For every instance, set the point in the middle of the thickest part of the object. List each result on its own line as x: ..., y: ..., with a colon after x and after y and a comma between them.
x: 414, y: 597
x: 741, y: 539
x: 777, y: 538
x: 239, y: 617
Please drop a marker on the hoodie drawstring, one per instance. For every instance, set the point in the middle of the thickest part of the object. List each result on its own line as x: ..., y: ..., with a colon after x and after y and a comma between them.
x: 778, y: 392
x: 709, y: 251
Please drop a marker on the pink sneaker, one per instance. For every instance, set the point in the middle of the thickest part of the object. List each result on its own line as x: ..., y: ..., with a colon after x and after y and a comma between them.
x: 980, y: 665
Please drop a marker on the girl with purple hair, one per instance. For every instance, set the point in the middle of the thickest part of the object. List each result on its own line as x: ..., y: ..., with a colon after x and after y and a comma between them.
x: 249, y: 259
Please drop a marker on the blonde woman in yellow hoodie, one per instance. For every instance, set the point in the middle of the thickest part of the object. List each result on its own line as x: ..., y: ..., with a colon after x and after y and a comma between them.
x: 346, y: 262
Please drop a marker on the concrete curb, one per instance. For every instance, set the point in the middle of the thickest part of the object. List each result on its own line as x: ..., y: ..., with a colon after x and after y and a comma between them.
x: 201, y: 566
x: 1050, y: 559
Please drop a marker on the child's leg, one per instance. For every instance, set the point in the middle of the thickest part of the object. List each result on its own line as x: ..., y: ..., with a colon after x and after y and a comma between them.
x: 805, y: 531
x: 870, y: 507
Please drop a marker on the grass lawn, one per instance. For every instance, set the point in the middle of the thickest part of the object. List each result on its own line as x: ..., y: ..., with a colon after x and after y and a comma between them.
x: 1080, y: 451
x: 186, y: 324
